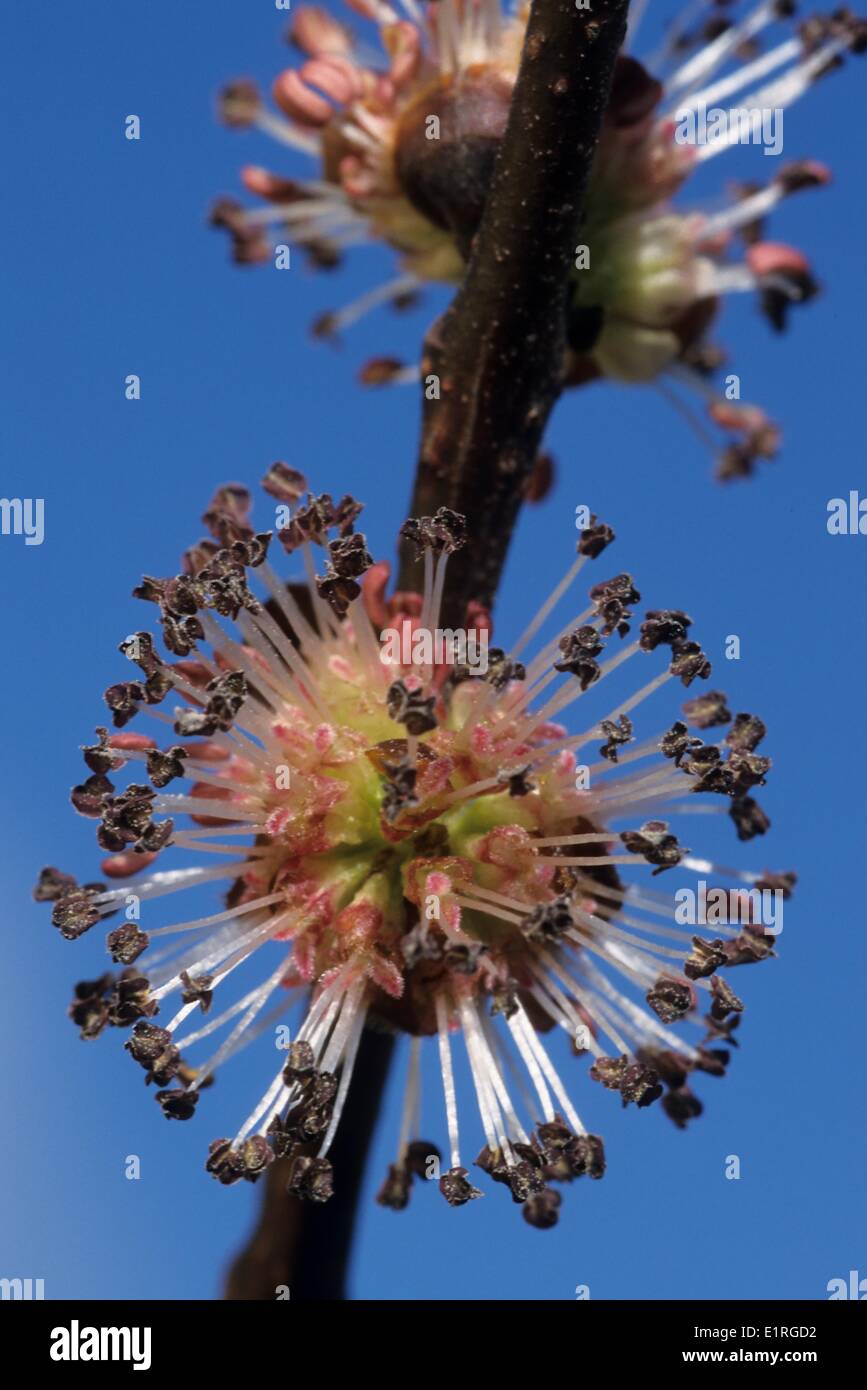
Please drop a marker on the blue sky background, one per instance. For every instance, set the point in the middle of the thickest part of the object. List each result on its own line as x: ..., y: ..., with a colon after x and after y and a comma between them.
x: 110, y: 269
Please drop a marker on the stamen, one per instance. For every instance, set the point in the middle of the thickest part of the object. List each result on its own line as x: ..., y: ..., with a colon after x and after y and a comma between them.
x: 411, y: 1099
x: 714, y: 54
x: 279, y: 129
x: 217, y: 954
x: 568, y: 694
x: 228, y: 915
x: 786, y: 52
x: 780, y: 94
x: 529, y: 1059
x: 551, y: 602
x: 310, y: 641
x: 253, y: 853
x: 261, y: 1109
x: 519, y: 1023
x: 303, y: 210
x: 486, y: 908
x: 648, y: 1022
x: 382, y: 294
x: 214, y: 1024
x: 171, y: 881
x: 483, y: 1098
x: 226, y: 1049
x: 345, y: 1080
x: 448, y: 1080
x: 176, y: 802
x: 515, y: 1129
x: 349, y: 1042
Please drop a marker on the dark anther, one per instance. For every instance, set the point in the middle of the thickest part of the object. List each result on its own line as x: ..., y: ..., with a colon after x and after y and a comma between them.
x: 442, y: 533
x: 311, y: 1179
x: 542, y: 1209
x: 284, y: 483
x: 300, y: 1062
x: 125, y: 944
x: 52, y: 884
x: 725, y: 1001
x: 517, y: 780
x: 749, y: 818
x: 76, y: 911
x: 681, y: 1106
x: 707, y: 710
x: 663, y: 626
x: 124, y: 700
x: 165, y: 767
x: 594, y: 538
x: 349, y: 558
x: 778, y: 883
x: 704, y: 958
x: 746, y: 733
x: 656, y: 843
x: 616, y: 734
x: 579, y: 650
x: 549, y: 921
x: 319, y: 516
x: 504, y: 999
x: 224, y: 697
x: 502, y: 670
x: 131, y: 999
x: 456, y: 1187
x: 256, y: 1155
x: 418, y: 1156
x: 677, y: 741
x: 399, y: 794
x: 100, y: 758
x: 89, y: 796
x: 670, y: 999
x: 613, y: 598
x: 586, y: 1156
x: 749, y: 948
x: 89, y: 1009
x: 411, y: 708
x: 178, y: 1103
x: 689, y: 662
x: 635, y: 1081
x: 224, y: 1162
x: 197, y: 990
x: 395, y: 1191
x: 228, y: 514
x: 153, y: 1049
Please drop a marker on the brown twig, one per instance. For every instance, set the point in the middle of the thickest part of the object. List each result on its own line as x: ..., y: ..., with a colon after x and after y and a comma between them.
x: 498, y: 352
x: 500, y: 347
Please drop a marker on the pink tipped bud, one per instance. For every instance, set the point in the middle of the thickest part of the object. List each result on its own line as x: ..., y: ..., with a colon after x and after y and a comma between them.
x: 371, y: 9
x: 299, y: 101
x: 263, y: 184
x: 403, y: 44
x: 195, y: 672
x: 207, y: 752
x: 804, y: 173
x: 126, y: 864
x: 205, y: 790
x: 380, y: 371
x: 776, y: 258
x: 135, y: 741
x: 337, y: 77
x: 315, y: 32
x: 373, y: 587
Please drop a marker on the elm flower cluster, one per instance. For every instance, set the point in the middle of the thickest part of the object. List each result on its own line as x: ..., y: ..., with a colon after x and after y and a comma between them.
x: 427, y: 850
x: 405, y: 143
